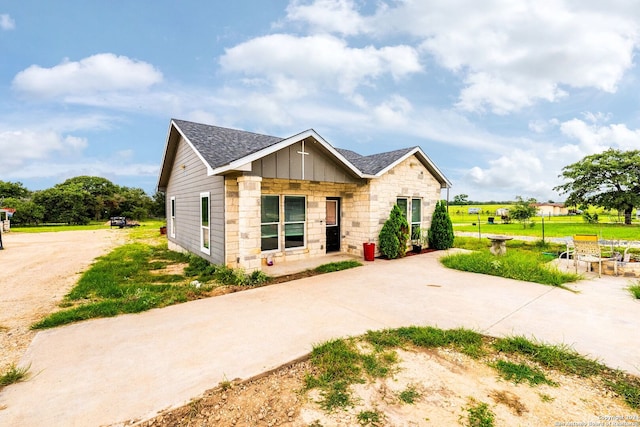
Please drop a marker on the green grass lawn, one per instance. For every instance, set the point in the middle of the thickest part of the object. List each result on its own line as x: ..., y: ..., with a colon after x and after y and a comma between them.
x: 527, y: 261
x: 557, y: 229
x: 139, y: 276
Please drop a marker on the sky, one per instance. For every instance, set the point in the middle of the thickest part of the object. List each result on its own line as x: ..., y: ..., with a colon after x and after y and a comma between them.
x: 500, y: 94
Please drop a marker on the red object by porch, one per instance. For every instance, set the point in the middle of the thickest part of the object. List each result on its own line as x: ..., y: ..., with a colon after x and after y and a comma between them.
x: 369, y: 251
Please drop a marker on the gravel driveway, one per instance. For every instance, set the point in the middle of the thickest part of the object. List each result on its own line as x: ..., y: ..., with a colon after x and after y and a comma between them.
x: 36, y: 271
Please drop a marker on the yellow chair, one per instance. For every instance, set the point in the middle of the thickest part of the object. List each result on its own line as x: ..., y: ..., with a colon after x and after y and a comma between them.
x: 587, y: 248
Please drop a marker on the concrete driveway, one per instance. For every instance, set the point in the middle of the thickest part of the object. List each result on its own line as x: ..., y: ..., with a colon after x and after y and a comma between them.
x: 107, y: 371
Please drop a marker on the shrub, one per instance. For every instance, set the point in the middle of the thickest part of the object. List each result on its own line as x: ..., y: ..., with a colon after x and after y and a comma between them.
x: 394, y: 234
x: 440, y: 233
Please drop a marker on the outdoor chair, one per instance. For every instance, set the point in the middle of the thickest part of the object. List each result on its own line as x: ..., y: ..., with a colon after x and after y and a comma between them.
x: 587, y: 248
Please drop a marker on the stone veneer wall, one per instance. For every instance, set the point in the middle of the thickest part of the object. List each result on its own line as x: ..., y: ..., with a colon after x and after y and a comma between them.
x: 316, y: 194
x: 408, y: 179
x: 364, y: 209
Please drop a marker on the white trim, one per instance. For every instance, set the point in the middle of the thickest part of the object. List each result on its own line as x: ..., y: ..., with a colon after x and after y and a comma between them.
x: 203, y: 228
x: 423, y: 158
x: 284, y: 223
x: 172, y: 217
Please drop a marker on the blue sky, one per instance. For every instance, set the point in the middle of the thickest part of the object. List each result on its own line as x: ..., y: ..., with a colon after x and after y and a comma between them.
x: 501, y: 94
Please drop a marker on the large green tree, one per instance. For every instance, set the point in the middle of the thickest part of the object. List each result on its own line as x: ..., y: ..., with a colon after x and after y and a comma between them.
x: 610, y: 179
x: 15, y: 190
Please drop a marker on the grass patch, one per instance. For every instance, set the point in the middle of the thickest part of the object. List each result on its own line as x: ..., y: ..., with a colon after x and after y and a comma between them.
x: 521, y: 372
x: 558, y: 357
x: 337, y: 266
x: 634, y: 290
x: 130, y: 280
x: 13, y: 375
x: 479, y: 415
x: 338, y: 364
x: 366, y: 418
x: 409, y: 395
x: 515, y: 264
x: 464, y: 340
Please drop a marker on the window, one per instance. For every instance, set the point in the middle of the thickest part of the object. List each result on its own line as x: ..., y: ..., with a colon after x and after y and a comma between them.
x: 416, y: 218
x: 403, y: 204
x: 204, y: 224
x: 270, y: 223
x: 172, y: 218
x: 294, y: 221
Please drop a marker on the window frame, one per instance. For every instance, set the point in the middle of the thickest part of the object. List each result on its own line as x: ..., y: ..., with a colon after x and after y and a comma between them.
x: 277, y: 223
x: 205, y: 228
x: 417, y: 223
x: 282, y: 223
x: 172, y: 216
x: 285, y: 223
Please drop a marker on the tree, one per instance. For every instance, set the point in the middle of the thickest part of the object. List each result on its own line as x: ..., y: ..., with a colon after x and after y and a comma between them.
x: 460, y: 199
x: 14, y: 190
x: 523, y: 210
x: 440, y: 234
x: 27, y: 212
x: 610, y: 179
x: 65, y: 203
x: 159, y: 205
x: 394, y: 234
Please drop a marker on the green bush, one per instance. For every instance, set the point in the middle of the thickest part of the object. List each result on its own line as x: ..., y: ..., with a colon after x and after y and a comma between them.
x: 394, y: 234
x: 440, y: 233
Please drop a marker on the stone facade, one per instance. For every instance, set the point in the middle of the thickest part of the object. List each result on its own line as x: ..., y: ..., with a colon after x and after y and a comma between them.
x: 364, y: 207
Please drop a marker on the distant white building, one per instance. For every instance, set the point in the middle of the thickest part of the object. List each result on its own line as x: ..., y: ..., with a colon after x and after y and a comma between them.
x: 551, y: 209
x: 502, y: 212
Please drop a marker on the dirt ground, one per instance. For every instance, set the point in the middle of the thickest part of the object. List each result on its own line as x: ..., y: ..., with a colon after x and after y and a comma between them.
x: 37, y: 270
x: 447, y: 385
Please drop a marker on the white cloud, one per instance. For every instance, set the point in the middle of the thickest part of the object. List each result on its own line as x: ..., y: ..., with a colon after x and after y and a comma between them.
x: 595, y: 138
x: 95, y: 76
x: 7, y: 22
x: 302, y: 65
x: 333, y: 16
x: 509, y: 55
x: 24, y: 146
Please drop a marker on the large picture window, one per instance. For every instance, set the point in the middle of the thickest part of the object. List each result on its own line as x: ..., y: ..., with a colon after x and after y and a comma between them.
x: 283, y: 219
x: 295, y: 215
x: 270, y: 223
x: 205, y: 232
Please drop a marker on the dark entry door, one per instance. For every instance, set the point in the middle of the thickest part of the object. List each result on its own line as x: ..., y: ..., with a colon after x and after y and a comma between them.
x: 333, y: 224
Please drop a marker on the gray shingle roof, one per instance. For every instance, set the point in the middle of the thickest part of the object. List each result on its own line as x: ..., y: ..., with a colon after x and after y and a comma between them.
x: 220, y: 146
x: 374, y: 163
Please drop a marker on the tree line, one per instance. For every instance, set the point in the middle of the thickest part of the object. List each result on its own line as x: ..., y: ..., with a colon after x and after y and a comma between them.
x: 79, y: 200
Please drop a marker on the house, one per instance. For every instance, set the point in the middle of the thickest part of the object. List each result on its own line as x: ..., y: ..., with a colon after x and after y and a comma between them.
x: 241, y: 198
x: 5, y: 218
x: 551, y: 209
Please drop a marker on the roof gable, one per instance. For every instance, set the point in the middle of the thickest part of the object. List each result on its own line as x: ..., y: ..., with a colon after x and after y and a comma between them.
x: 223, y: 150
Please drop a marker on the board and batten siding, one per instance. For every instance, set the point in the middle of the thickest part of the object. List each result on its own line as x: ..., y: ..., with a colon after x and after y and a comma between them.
x: 187, y: 180
x: 287, y: 164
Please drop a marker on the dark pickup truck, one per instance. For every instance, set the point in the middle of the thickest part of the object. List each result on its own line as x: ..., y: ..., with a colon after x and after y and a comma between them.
x: 122, y: 222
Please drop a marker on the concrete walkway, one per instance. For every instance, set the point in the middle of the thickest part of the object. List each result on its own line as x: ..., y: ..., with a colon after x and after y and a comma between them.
x: 107, y: 371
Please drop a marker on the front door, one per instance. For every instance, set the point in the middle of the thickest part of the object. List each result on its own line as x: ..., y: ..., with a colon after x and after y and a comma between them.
x: 333, y: 224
